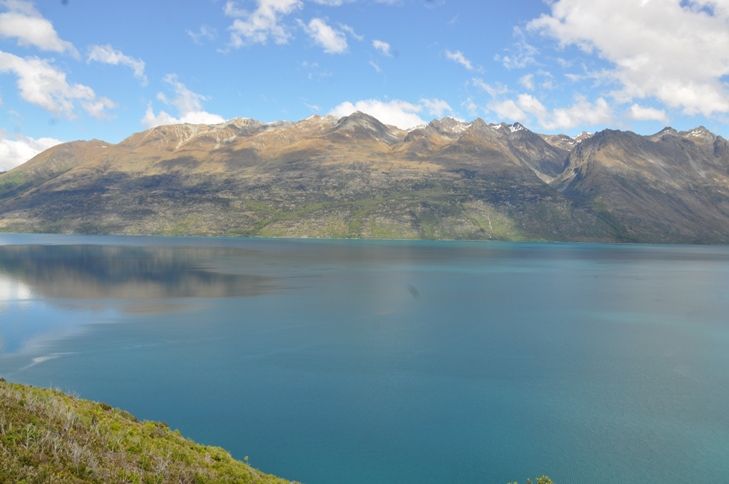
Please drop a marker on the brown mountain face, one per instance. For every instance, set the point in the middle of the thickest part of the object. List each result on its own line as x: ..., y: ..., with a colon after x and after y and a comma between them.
x: 662, y: 188
x: 357, y: 177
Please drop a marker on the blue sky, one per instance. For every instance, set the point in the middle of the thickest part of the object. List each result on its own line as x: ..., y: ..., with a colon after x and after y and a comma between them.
x: 84, y: 69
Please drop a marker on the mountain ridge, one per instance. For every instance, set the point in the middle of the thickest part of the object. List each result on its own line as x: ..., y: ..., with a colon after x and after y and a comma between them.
x: 358, y: 177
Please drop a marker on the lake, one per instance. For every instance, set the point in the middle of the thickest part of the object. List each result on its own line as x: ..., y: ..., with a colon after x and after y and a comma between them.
x: 390, y: 362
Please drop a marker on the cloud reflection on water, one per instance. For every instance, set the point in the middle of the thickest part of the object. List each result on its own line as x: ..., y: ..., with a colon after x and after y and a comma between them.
x: 51, y: 292
x: 108, y: 272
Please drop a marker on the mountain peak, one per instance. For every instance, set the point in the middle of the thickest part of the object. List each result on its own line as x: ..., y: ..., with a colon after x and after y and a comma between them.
x: 517, y: 127
x: 506, y: 128
x: 358, y: 118
x: 363, y: 125
x: 699, y: 132
x: 448, y: 126
x: 583, y: 136
x: 479, y: 126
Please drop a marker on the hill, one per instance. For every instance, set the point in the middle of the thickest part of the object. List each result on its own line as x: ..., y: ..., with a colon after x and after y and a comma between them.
x: 357, y: 177
x: 48, y: 436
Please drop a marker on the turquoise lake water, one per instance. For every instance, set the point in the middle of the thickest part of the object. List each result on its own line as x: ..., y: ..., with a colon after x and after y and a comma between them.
x: 390, y: 362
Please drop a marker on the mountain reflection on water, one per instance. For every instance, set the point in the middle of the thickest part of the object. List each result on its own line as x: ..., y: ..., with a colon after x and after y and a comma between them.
x: 53, y: 292
x: 109, y: 272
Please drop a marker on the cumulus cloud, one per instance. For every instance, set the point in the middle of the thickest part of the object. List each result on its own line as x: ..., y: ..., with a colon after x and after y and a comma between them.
x: 23, y: 22
x: 436, y: 107
x: 676, y: 51
x: 383, y: 47
x: 187, y: 103
x: 458, y: 57
x: 107, y: 55
x: 42, y: 84
x: 331, y: 40
x: 526, y: 108
x: 15, y: 152
x: 470, y: 106
x: 641, y: 113
x: 152, y: 120
x: 508, y: 110
x: 257, y: 26
x: 581, y: 113
x: 398, y: 113
x: 332, y: 3
x: 527, y: 81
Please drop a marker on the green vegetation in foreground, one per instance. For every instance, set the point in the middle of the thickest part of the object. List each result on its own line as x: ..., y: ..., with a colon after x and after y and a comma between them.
x: 47, y: 436
x: 540, y: 480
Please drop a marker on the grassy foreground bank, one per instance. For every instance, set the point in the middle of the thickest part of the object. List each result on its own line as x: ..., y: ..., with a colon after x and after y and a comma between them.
x: 47, y: 436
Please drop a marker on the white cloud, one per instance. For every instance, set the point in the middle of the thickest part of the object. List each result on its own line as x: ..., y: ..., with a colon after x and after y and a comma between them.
x: 548, y: 82
x: 152, y: 120
x: 676, y: 51
x: 97, y: 107
x: 338, y: 3
x: 188, y: 104
x: 458, y: 56
x: 256, y: 27
x: 375, y: 66
x: 331, y: 40
x: 641, y: 113
x: 526, y: 108
x: 436, y: 107
x: 107, y: 55
x: 23, y: 22
x: 205, y: 33
x: 398, y: 113
x: 508, y: 110
x: 333, y: 3
x: 521, y: 55
x: 43, y: 85
x: 533, y: 106
x: 16, y: 152
x: 185, y: 100
x: 527, y: 81
x: 351, y: 32
x: 496, y: 90
x: 470, y: 106
x: 581, y: 113
x: 383, y: 47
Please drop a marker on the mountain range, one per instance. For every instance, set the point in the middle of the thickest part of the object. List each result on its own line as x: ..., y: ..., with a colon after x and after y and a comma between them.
x: 357, y: 177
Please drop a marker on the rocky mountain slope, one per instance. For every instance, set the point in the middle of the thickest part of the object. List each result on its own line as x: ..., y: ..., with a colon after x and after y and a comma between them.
x: 356, y: 177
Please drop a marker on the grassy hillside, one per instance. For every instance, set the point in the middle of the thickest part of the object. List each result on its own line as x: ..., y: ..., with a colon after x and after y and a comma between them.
x: 47, y: 436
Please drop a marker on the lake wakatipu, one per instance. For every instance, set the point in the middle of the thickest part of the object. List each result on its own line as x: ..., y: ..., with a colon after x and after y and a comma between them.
x: 390, y: 362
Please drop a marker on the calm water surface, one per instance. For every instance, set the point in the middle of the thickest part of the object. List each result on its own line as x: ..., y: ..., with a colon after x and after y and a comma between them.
x: 385, y: 362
